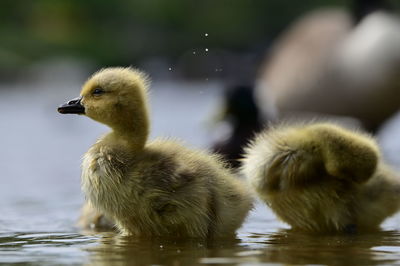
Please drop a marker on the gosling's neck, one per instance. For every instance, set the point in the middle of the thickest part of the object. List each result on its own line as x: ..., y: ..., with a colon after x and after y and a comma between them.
x: 130, y: 132
x: 133, y: 138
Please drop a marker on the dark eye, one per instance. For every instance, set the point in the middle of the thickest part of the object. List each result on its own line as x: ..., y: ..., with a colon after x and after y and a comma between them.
x: 98, y: 91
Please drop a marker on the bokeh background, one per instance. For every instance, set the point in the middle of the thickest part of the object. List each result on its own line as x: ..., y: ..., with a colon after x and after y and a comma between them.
x: 221, y: 70
x: 139, y: 32
x: 153, y: 34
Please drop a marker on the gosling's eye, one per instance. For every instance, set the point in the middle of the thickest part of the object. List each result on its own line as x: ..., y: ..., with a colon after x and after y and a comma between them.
x: 98, y: 91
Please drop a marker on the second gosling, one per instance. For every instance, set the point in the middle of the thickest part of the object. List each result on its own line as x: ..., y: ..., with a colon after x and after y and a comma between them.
x: 152, y: 189
x: 322, y: 178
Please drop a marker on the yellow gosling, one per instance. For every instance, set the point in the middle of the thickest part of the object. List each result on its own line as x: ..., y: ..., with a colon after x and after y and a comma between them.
x: 152, y: 189
x: 322, y: 178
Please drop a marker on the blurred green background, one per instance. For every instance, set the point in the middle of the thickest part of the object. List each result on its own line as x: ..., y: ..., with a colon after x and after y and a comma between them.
x: 135, y: 32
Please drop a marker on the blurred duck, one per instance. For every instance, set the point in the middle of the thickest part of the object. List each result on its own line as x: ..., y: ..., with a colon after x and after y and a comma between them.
x: 241, y: 116
x: 152, y: 189
x: 322, y: 178
x: 336, y: 63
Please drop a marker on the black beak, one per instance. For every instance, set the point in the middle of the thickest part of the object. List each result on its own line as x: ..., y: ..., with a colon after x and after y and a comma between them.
x: 73, y: 106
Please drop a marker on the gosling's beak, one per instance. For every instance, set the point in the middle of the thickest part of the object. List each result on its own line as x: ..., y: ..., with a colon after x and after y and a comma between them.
x: 73, y: 106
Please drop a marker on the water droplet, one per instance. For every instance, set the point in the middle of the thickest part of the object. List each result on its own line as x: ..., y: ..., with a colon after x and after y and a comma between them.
x: 206, y: 49
x: 170, y: 68
x: 194, y: 52
x: 161, y: 246
x: 206, y: 34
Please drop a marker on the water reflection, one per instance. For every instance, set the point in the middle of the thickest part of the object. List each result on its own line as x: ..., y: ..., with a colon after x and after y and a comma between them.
x: 277, y: 247
x: 128, y: 251
x: 297, y: 248
x: 32, y: 248
x: 283, y: 247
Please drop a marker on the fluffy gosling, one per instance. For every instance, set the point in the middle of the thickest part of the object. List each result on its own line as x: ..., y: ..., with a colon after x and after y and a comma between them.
x: 322, y: 178
x: 152, y: 189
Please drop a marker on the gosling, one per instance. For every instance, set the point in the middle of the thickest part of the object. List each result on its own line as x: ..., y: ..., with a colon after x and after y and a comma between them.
x: 322, y: 178
x: 158, y: 188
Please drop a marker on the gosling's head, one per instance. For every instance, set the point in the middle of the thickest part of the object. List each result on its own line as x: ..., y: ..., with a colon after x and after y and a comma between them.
x: 112, y: 96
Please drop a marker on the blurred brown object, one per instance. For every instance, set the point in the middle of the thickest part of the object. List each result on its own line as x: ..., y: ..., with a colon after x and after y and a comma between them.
x: 94, y: 220
x: 324, y: 64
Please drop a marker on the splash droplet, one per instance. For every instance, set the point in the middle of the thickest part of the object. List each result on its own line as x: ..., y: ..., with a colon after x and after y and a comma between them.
x: 206, y: 34
x: 206, y: 49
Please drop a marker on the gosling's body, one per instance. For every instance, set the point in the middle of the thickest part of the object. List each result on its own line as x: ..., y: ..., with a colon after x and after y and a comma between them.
x: 165, y: 190
x: 322, y: 178
x: 156, y: 189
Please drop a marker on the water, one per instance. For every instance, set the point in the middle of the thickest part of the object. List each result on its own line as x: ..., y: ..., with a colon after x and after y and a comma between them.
x: 40, y: 195
x: 279, y: 247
